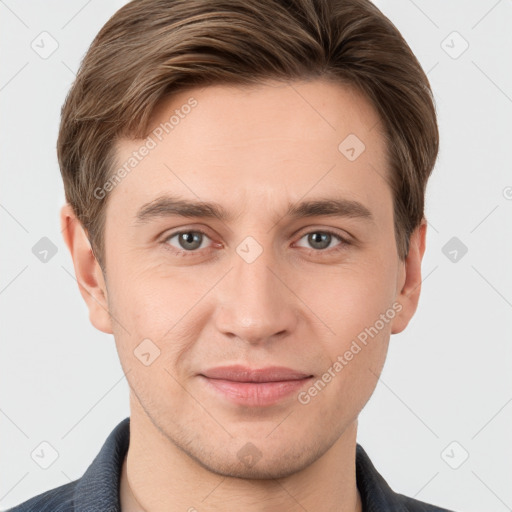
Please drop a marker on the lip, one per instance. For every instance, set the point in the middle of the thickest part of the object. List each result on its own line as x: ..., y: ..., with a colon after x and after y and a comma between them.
x: 254, y: 387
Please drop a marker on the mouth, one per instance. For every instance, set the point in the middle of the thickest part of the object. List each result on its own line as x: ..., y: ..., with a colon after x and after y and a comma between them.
x: 254, y: 387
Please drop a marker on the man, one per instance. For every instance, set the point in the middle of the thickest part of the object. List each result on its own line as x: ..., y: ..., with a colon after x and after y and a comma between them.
x: 245, y: 188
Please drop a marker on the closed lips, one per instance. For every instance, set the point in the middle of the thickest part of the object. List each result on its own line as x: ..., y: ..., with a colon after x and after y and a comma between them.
x: 238, y: 373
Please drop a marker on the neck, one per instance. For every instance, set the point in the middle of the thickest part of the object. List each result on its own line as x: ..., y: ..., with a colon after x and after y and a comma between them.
x: 158, y: 476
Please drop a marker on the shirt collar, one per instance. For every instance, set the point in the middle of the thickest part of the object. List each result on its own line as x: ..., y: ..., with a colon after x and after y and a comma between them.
x: 376, y: 494
x: 98, y: 489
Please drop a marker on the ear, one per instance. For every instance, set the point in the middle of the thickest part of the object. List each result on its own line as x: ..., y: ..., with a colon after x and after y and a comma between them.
x: 87, y: 270
x: 409, y: 282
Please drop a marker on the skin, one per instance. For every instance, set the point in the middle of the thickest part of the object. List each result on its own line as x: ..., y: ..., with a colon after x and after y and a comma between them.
x: 253, y: 150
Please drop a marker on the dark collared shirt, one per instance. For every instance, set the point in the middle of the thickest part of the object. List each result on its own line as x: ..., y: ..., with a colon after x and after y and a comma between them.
x: 98, y: 489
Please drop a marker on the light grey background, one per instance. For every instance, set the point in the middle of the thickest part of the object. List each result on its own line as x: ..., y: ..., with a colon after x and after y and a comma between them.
x: 447, y: 377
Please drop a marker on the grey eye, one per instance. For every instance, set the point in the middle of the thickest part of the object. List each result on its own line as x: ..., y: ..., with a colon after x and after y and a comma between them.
x: 320, y: 240
x: 188, y: 240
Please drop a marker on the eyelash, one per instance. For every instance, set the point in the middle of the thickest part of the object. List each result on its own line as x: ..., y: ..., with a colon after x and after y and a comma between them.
x: 342, y: 246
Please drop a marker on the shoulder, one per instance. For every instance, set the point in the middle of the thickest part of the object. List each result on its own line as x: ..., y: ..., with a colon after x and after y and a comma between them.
x: 412, y: 505
x: 376, y: 494
x: 97, y: 489
x: 59, y: 499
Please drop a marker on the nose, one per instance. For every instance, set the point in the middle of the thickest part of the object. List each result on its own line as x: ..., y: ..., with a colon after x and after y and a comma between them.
x: 256, y: 302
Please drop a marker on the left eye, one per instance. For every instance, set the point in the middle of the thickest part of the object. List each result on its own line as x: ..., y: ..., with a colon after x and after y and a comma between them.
x: 321, y: 240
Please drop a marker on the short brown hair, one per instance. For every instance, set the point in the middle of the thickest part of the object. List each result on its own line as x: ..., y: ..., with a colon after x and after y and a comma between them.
x: 151, y: 49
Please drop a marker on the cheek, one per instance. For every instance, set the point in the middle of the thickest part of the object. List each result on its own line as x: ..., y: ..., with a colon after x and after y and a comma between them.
x: 358, y: 309
x: 151, y: 305
x: 148, y: 297
x: 141, y: 312
x: 351, y: 299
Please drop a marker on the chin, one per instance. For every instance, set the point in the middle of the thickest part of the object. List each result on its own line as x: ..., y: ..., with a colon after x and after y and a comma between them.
x: 248, y: 462
x: 268, y: 470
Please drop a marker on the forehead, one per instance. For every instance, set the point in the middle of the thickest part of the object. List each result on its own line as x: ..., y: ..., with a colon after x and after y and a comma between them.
x: 266, y: 145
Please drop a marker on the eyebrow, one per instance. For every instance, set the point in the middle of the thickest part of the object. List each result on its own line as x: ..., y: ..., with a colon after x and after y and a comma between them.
x: 167, y: 206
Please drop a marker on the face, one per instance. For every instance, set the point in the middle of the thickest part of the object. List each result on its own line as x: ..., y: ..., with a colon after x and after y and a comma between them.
x: 253, y: 331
